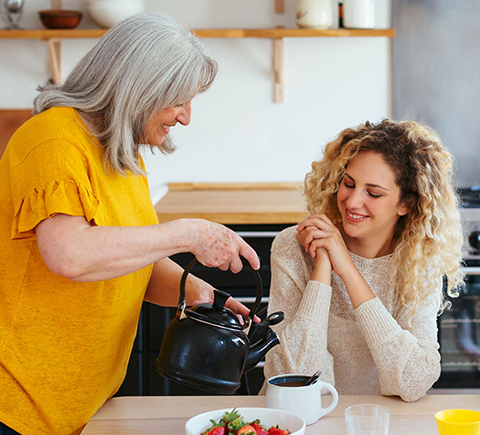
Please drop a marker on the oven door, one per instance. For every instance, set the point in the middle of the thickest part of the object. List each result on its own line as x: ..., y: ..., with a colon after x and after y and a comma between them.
x: 459, y: 335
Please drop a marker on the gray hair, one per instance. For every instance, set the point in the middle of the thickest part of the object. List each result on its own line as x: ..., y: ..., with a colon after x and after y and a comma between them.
x: 144, y: 64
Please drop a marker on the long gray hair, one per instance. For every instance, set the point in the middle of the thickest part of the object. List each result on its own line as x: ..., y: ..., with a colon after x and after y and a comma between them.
x: 144, y: 64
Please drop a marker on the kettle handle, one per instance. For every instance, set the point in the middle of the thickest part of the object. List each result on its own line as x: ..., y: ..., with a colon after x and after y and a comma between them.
x: 181, y: 300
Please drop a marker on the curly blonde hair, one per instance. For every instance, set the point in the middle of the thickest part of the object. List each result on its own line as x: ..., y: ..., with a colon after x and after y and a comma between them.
x: 429, y: 237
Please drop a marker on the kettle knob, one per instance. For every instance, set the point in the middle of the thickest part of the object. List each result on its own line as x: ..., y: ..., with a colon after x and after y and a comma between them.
x: 220, y: 297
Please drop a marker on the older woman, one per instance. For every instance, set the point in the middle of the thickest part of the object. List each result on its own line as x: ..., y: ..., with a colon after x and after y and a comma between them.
x: 81, y: 244
x: 360, y: 281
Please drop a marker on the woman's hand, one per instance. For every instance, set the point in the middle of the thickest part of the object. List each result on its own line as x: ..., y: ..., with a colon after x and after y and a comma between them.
x: 202, y: 292
x: 215, y: 245
x: 318, y: 233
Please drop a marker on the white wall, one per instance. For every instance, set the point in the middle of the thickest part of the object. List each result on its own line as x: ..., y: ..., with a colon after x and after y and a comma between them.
x: 237, y: 133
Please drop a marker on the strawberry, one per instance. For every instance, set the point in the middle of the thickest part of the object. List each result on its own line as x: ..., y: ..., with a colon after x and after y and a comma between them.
x: 246, y: 430
x: 259, y: 429
x: 277, y: 431
x: 219, y: 430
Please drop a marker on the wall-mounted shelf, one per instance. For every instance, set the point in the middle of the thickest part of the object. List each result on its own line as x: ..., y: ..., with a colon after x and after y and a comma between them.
x: 204, y: 33
x: 54, y: 37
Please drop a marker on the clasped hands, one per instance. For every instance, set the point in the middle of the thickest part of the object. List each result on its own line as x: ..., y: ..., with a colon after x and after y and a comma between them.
x: 324, y: 242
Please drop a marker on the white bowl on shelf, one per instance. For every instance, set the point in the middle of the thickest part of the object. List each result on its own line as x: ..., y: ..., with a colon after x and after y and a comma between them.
x: 115, y: 1
x: 268, y: 417
x: 108, y: 13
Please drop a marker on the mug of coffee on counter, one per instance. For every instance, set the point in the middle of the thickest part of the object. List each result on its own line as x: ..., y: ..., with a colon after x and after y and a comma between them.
x: 289, y: 393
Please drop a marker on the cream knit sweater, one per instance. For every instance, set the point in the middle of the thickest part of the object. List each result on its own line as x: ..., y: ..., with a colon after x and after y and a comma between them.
x: 372, y: 349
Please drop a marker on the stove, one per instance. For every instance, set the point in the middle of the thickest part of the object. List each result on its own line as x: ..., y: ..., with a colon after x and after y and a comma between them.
x: 459, y: 325
x: 470, y: 196
x: 470, y: 202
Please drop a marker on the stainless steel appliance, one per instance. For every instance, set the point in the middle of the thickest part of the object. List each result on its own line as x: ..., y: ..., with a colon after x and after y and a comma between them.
x: 459, y: 326
x: 435, y: 60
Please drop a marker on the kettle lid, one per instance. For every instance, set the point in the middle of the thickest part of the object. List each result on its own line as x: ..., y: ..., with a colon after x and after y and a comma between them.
x: 215, y: 314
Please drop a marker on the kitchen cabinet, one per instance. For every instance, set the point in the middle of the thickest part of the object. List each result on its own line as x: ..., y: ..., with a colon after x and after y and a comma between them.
x: 53, y: 38
x: 257, y: 212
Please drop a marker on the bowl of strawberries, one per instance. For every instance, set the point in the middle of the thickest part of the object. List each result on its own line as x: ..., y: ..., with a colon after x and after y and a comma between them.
x: 246, y: 421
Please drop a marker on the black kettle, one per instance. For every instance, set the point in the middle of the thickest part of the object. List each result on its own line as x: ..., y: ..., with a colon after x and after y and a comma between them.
x: 207, y: 347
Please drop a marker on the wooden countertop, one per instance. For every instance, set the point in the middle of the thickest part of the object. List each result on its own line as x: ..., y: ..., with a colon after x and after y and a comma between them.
x: 168, y: 415
x: 234, y: 203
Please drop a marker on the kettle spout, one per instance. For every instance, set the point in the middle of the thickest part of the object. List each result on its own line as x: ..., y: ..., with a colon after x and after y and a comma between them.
x: 259, y: 349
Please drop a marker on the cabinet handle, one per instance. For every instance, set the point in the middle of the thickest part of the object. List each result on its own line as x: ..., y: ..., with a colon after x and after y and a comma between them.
x: 249, y: 299
x: 471, y: 270
x: 257, y: 234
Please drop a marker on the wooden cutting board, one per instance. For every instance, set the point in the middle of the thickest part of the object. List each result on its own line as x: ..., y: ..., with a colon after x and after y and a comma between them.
x: 234, y: 203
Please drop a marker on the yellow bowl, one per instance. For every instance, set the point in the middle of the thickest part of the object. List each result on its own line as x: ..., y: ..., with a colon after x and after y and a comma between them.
x: 458, y: 422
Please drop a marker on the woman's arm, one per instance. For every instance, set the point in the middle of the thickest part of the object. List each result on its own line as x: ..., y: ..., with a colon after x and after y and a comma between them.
x: 306, y: 305
x: 404, y: 348
x: 73, y: 248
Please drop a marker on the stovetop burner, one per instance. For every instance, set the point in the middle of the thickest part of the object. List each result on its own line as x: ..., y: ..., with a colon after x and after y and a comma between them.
x: 470, y: 197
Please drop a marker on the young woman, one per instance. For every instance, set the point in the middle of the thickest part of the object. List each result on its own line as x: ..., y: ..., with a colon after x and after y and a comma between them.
x: 360, y: 281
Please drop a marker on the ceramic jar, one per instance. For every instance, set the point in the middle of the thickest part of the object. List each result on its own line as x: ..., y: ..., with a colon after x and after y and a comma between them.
x: 359, y: 14
x: 314, y: 14
x: 107, y: 13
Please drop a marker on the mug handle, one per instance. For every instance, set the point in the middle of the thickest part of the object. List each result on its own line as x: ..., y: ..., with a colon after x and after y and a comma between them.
x: 334, y: 392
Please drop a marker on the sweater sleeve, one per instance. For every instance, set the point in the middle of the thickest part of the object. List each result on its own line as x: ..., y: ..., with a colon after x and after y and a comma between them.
x: 404, y: 348
x: 306, y: 306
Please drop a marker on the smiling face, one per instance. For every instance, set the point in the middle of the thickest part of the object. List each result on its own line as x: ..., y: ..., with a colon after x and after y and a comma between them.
x: 160, y: 123
x: 369, y: 202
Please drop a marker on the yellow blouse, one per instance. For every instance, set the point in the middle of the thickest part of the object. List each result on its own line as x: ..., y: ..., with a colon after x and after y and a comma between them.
x: 64, y: 345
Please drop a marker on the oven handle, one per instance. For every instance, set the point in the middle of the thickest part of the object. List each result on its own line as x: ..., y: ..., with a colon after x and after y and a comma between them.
x: 471, y: 270
x: 257, y: 234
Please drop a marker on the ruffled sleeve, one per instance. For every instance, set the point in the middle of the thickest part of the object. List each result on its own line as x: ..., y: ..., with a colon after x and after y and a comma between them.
x: 67, y: 196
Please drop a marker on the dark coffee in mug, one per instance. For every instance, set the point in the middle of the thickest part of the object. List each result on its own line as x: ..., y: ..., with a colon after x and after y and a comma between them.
x: 289, y: 381
x: 291, y: 384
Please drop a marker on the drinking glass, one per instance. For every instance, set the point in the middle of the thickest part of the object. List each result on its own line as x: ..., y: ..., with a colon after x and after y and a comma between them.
x: 13, y: 9
x: 367, y: 420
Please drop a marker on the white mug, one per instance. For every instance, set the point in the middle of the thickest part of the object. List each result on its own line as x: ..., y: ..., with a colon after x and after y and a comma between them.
x: 314, y: 14
x: 359, y: 14
x: 289, y: 393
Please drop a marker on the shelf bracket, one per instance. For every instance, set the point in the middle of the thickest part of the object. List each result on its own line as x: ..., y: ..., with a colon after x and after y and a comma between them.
x: 54, y: 51
x: 278, y: 69
x: 279, y: 6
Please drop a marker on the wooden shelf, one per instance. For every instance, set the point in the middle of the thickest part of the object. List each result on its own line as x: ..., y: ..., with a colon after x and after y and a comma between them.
x: 51, y: 34
x: 277, y: 35
x: 206, y: 33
